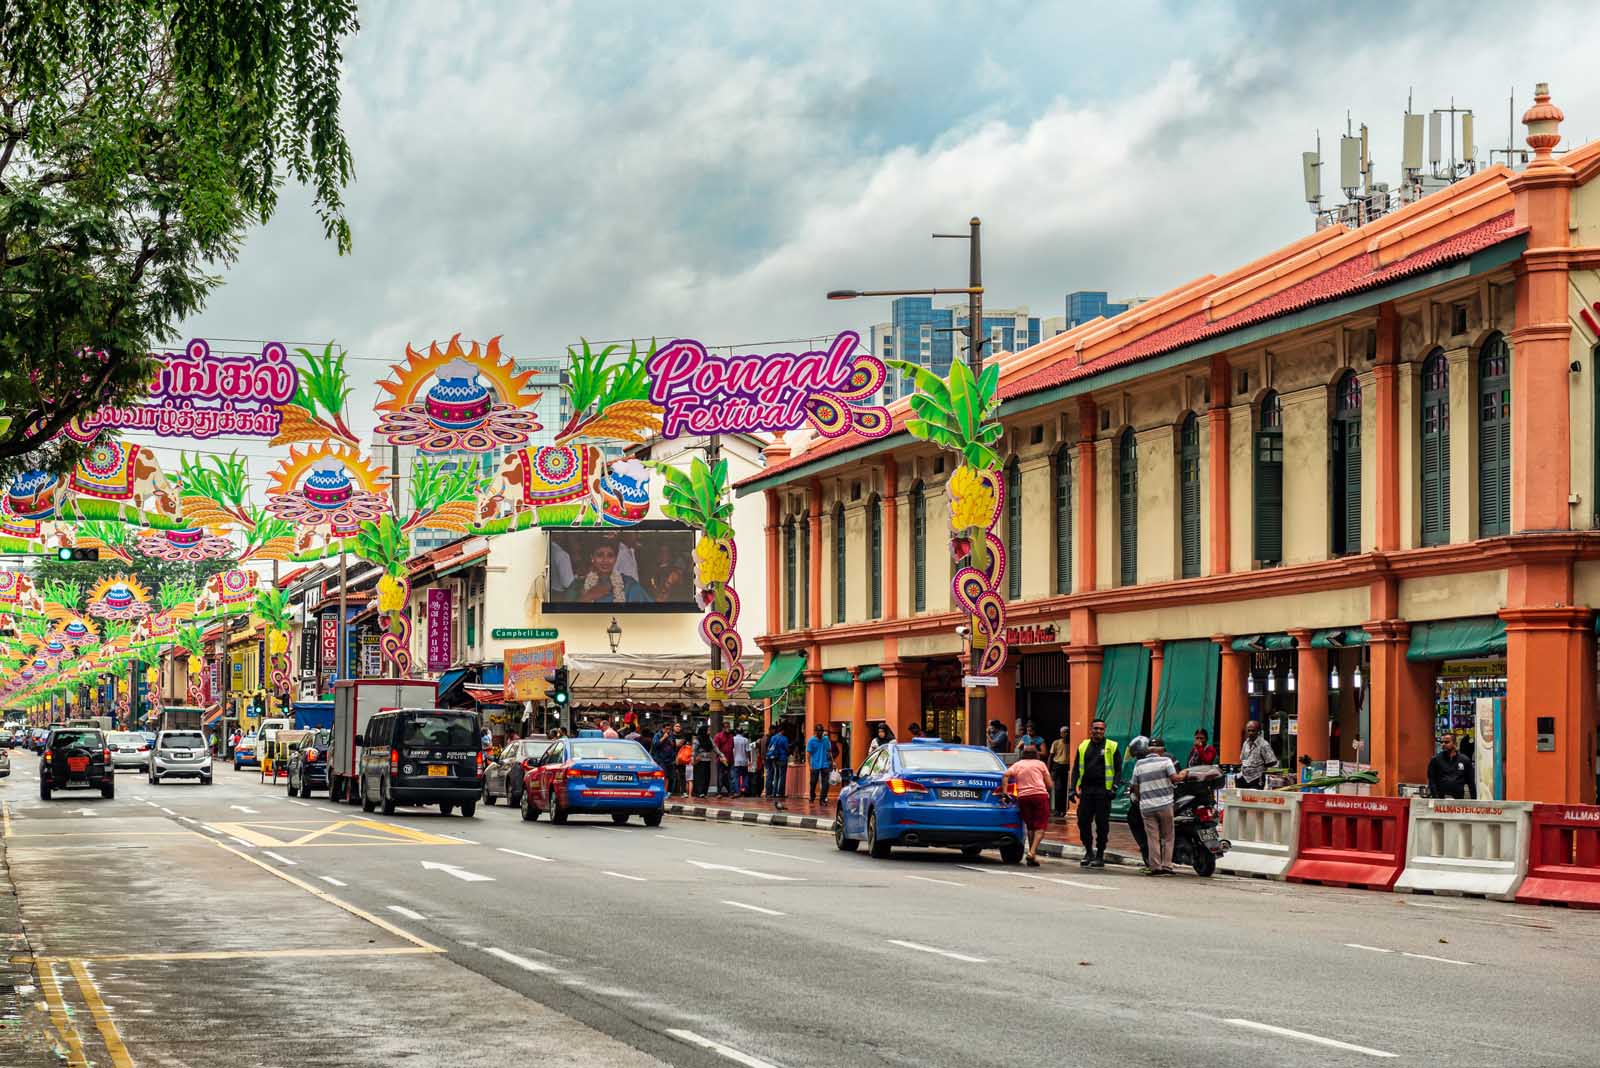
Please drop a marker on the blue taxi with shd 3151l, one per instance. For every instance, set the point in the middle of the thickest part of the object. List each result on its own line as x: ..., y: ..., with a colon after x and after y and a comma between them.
x: 929, y: 792
x: 592, y: 773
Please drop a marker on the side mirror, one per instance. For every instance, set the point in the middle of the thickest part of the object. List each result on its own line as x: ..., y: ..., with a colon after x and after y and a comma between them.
x: 360, y: 740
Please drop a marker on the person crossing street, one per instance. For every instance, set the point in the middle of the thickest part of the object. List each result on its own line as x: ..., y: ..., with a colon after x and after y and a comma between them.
x: 1095, y: 778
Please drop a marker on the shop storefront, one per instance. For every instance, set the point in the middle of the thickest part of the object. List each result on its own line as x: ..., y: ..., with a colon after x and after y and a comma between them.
x: 1469, y: 674
x: 944, y: 702
x: 1042, y: 679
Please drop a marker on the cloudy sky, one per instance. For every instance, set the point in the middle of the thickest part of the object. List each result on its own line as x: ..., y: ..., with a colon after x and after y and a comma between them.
x: 546, y: 171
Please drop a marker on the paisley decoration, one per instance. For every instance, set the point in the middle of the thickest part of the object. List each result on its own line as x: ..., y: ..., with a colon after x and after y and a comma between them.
x: 716, y: 559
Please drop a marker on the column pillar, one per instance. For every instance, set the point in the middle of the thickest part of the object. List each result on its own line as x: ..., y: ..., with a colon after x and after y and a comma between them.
x: 775, y: 590
x: 1003, y: 699
x: 1311, y: 696
x: 1221, y: 495
x: 816, y: 694
x: 1157, y: 651
x: 1235, y: 706
x: 902, y: 695
x: 1083, y: 484
x: 1400, y: 707
x: 1083, y: 687
x: 858, y: 718
x: 814, y: 585
x: 1386, y: 418
x: 891, y: 540
x: 1550, y: 676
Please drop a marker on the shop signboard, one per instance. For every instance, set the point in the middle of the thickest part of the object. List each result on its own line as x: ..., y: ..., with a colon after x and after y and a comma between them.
x: 524, y: 634
x: 330, y: 643
x: 371, y: 657
x: 308, y: 652
x: 525, y: 667
x: 441, y: 633
x: 1033, y: 634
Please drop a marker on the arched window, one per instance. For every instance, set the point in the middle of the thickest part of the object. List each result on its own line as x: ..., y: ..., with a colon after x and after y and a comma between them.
x: 1063, y: 503
x: 1127, y: 509
x: 1494, y: 438
x: 919, y: 549
x: 789, y: 600
x: 1189, y: 495
x: 1435, y: 417
x: 875, y: 558
x: 1268, y: 476
x: 838, y: 563
x: 1347, y: 466
x: 1013, y: 531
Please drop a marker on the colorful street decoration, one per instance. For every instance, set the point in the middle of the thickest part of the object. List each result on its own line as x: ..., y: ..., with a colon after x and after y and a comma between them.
x: 457, y: 400
x: 227, y: 593
x: 699, y: 498
x: 119, y: 597
x: 330, y: 488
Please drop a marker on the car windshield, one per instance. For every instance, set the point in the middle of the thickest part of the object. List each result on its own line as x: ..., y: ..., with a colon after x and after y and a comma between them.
x: 126, y: 738
x: 917, y: 758
x: 87, y: 739
x: 318, y: 739
x: 182, y: 740
x: 442, y: 731
x: 609, y: 749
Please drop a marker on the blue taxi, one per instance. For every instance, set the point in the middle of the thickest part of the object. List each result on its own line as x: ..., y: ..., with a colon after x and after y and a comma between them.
x: 929, y: 792
x: 595, y: 774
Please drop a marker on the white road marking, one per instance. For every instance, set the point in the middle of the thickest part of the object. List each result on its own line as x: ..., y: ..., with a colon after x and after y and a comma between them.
x: 241, y: 841
x: 1441, y: 960
x: 938, y: 952
x: 521, y: 962
x: 718, y: 1048
x: 84, y: 811
x: 1302, y: 1036
x: 708, y: 866
x: 519, y: 853
x: 785, y: 856
x: 246, y: 809
x: 208, y: 827
x: 1130, y: 912
x: 277, y: 857
x: 630, y: 878
x: 458, y: 838
x: 325, y: 808
x: 186, y: 819
x: 755, y: 908
x: 331, y: 881
x: 1369, y: 949
x: 1062, y: 882
x: 928, y: 879
x: 459, y: 873
x: 692, y: 841
x: 169, y: 812
x: 407, y: 913
x: 302, y: 804
x: 1431, y: 905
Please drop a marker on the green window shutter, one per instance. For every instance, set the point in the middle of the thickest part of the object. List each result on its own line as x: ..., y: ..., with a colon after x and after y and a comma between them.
x: 919, y: 549
x: 1435, y: 466
x: 1269, y: 497
x: 1127, y: 509
x: 802, y: 600
x: 1013, y: 531
x: 838, y: 564
x: 875, y: 552
x: 788, y: 575
x: 1063, y: 488
x: 1347, y: 466
x: 1494, y: 438
x: 1189, y: 495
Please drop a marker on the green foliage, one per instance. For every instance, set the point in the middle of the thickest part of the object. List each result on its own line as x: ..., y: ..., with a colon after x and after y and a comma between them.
x: 191, y: 640
x: 64, y: 592
x: 115, y: 535
x: 223, y: 480
x: 139, y: 140
x: 594, y: 383
x: 958, y: 413
x: 434, y: 484
x: 698, y: 497
x: 384, y: 543
x: 272, y: 608
x: 152, y: 573
x: 264, y: 527
x: 323, y: 386
x: 175, y: 592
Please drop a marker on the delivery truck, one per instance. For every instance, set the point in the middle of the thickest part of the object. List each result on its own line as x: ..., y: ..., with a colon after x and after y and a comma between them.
x: 313, y: 715
x: 355, y: 701
x: 181, y: 717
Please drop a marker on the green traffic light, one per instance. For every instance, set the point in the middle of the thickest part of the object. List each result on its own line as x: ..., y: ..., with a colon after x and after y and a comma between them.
x: 64, y: 554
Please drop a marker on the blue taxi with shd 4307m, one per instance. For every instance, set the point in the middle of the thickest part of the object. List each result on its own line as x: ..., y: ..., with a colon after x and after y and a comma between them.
x: 592, y: 773
x: 929, y: 792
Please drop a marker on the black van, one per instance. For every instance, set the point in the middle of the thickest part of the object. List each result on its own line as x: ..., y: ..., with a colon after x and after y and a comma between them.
x: 421, y: 756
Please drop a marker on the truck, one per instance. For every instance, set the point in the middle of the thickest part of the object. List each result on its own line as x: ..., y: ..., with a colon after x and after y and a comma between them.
x: 355, y: 701
x: 104, y: 723
x: 181, y: 718
x: 313, y: 715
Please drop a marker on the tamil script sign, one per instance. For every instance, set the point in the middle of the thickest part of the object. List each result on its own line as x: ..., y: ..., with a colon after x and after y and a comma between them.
x: 441, y: 634
x: 525, y: 668
x: 196, y: 394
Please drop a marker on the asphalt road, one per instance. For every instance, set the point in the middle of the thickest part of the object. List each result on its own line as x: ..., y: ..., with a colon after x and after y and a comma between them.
x: 186, y: 925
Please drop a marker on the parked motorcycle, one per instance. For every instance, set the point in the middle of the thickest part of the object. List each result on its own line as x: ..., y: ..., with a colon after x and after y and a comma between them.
x: 1196, y: 840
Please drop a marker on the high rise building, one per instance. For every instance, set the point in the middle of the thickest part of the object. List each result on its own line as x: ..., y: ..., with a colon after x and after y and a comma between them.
x: 1086, y: 304
x: 917, y: 332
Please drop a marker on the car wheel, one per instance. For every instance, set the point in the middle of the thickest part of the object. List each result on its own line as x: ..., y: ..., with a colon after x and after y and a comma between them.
x: 305, y: 786
x: 468, y: 808
x: 205, y: 780
x: 237, y: 766
x: 557, y: 813
x: 108, y: 789
x: 288, y: 787
x: 842, y: 841
x: 970, y: 852
x: 488, y: 798
x: 879, y: 850
x: 367, y: 803
x: 44, y: 790
x: 1011, y: 853
x: 653, y: 819
x: 619, y: 818
x: 529, y: 813
x: 387, y: 802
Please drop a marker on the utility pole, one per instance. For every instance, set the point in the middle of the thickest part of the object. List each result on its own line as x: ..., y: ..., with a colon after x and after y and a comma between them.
x: 977, y: 697
x: 713, y: 455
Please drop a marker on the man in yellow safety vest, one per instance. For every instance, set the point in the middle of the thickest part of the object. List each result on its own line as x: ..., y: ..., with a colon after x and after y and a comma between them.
x: 1095, y: 777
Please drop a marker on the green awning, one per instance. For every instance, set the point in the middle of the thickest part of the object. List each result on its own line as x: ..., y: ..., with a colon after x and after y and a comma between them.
x: 1188, y: 698
x: 837, y: 677
x: 1457, y: 639
x: 1124, y: 693
x: 1250, y: 643
x: 870, y: 673
x: 1339, y: 638
x: 1255, y: 643
x: 780, y: 674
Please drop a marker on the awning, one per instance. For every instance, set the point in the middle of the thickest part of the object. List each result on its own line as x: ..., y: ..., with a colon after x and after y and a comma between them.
x: 1457, y: 639
x: 1124, y: 693
x: 649, y: 678
x: 484, y: 694
x: 211, y: 717
x: 838, y: 677
x: 470, y: 560
x: 493, y: 675
x: 1188, y: 698
x: 779, y: 676
x: 448, y: 681
x: 1339, y: 638
x: 1256, y: 643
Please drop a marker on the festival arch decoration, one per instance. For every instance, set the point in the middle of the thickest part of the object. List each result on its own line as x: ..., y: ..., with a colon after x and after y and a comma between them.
x: 119, y: 597
x: 452, y: 399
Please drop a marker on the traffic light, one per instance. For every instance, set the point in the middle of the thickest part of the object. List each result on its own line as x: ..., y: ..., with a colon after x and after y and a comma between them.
x: 558, y: 694
x: 69, y: 556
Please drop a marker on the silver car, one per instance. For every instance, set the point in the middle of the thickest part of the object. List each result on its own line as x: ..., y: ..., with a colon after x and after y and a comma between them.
x: 180, y: 755
x: 5, y: 763
x: 129, y: 749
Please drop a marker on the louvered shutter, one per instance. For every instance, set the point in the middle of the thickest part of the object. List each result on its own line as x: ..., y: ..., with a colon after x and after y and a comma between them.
x: 875, y: 550
x: 1064, y: 521
x: 1435, y: 414
x: 1269, y: 498
x: 1128, y: 512
x: 919, y: 549
x: 788, y: 575
x: 1352, y: 485
x: 838, y: 564
x: 1013, y: 532
x: 1494, y: 439
x: 803, y: 581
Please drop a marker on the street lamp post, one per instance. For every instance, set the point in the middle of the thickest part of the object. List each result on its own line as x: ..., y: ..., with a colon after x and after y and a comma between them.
x: 977, y: 698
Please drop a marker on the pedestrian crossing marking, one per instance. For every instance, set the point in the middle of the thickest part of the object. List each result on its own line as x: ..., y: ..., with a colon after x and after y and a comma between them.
x: 289, y: 834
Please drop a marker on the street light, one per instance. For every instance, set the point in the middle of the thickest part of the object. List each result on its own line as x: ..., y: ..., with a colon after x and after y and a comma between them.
x: 614, y: 634
x: 977, y: 698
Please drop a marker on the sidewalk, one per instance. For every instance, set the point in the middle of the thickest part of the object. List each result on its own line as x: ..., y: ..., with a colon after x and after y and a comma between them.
x: 25, y: 1033
x: 1061, y: 840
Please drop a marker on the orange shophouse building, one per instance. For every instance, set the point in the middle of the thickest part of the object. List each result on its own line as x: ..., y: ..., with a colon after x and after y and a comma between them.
x: 1345, y: 489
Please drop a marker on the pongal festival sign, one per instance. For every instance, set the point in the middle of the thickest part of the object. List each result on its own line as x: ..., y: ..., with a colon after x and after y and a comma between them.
x: 196, y: 394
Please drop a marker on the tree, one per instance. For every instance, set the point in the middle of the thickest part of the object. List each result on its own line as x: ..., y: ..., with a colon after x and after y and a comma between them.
x: 138, y: 141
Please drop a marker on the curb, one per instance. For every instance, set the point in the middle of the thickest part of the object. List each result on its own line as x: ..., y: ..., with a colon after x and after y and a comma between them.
x: 1058, y: 850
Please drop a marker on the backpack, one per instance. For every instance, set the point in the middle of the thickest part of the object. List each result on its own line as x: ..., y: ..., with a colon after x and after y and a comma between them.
x: 685, y: 754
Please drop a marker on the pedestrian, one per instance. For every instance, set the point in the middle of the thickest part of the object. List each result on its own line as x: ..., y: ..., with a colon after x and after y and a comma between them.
x: 1095, y: 778
x: 1153, y: 780
x: 1203, y: 752
x: 999, y: 741
x: 777, y: 766
x: 741, y: 762
x: 607, y: 730
x: 1468, y: 747
x: 1030, y: 737
x: 915, y: 730
x: 723, y: 741
x: 683, y: 763
x: 1061, y: 771
x: 1137, y: 748
x: 1255, y: 757
x: 1029, y: 781
x: 665, y: 753
x: 1450, y: 773
x: 882, y: 737
x: 704, y: 751
x: 233, y: 742
x: 758, y: 763
x: 487, y: 739
x: 819, y: 759
x: 840, y: 752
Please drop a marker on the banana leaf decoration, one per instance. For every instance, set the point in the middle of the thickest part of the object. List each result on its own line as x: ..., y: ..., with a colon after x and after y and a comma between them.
x: 699, y: 498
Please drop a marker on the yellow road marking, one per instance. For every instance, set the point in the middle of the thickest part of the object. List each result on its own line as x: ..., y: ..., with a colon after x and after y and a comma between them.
x: 248, y: 954
x: 5, y: 808
x: 376, y: 921
x: 102, y: 1019
x: 349, y: 832
x: 58, y: 1016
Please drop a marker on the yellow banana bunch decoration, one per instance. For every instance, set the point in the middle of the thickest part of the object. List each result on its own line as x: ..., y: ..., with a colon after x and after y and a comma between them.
x: 391, y: 595
x: 971, y: 499
x: 712, y: 561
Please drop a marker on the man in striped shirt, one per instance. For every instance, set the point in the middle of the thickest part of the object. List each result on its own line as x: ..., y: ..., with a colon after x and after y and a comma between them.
x: 1152, y: 787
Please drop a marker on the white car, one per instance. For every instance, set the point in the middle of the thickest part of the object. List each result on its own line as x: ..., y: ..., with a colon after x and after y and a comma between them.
x: 129, y: 749
x: 5, y: 763
x: 180, y: 755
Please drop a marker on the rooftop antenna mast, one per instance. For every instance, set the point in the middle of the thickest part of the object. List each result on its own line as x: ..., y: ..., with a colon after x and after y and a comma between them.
x: 1512, y: 154
x: 1311, y: 175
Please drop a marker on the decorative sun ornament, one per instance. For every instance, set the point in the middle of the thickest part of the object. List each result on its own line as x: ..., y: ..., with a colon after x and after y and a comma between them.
x: 185, y: 546
x: 119, y: 597
x: 477, y: 401
x: 328, y: 488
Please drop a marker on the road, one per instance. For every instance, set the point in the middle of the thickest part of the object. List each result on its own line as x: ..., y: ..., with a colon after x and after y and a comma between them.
x: 187, y: 925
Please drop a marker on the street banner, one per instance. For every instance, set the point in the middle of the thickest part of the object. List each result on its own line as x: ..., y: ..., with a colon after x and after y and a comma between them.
x: 441, y: 652
x: 525, y: 667
x: 330, y: 643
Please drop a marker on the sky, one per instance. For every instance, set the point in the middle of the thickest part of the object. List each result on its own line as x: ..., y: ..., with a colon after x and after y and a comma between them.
x: 551, y: 171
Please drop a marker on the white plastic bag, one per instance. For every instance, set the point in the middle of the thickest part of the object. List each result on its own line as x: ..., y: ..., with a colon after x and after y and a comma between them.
x: 833, y: 777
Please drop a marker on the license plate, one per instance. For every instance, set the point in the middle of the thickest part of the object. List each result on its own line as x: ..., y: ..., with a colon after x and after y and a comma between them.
x: 614, y: 776
x: 436, y: 771
x: 1209, y: 835
x: 960, y: 795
